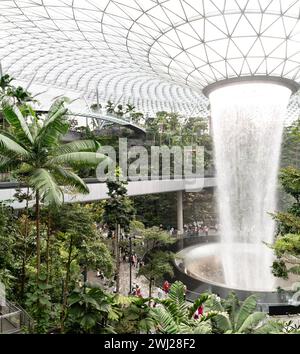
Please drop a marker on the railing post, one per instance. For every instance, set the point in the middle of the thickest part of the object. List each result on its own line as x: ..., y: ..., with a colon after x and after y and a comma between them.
x: 180, y: 213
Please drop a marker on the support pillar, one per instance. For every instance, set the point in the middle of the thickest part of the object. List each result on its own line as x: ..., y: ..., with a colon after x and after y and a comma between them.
x: 180, y: 212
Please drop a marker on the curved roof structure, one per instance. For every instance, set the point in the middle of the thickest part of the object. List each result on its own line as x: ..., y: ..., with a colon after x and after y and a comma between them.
x: 156, y: 54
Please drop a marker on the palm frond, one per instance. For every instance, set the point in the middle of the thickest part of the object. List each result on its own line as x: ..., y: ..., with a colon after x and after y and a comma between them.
x: 15, y: 118
x: 177, y: 292
x: 56, y: 113
x: 55, y: 125
x: 10, y: 145
x: 69, y: 178
x: 42, y: 181
x: 79, y: 159
x: 247, y: 308
x: 8, y: 164
x: 77, y: 146
x: 252, y: 322
x: 165, y: 321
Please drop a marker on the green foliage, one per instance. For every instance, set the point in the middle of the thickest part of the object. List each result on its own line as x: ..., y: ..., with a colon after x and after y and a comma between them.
x: 94, y: 254
x: 33, y: 149
x: 287, y: 244
x: 158, y: 265
x: 279, y: 269
x: 39, y: 305
x: 172, y: 130
x: 154, y: 238
x: 136, y: 317
x: 290, y: 180
x: 236, y: 317
x: 17, y: 94
x: 156, y: 209
x: 89, y: 311
x: 175, y: 316
x: 118, y: 210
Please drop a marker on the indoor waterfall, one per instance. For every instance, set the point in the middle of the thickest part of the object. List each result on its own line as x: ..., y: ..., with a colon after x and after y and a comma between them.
x: 248, y: 121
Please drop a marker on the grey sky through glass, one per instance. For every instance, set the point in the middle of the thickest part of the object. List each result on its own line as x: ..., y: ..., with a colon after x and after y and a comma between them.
x: 157, y: 54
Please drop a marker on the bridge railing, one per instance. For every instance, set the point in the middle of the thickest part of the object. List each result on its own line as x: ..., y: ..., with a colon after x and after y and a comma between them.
x: 13, y: 319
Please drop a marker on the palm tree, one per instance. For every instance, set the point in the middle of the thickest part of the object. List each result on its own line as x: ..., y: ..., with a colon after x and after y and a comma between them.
x: 32, y: 148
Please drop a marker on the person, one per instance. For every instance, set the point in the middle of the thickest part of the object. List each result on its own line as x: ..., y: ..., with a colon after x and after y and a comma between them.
x: 133, y: 291
x: 138, y: 291
x: 100, y: 274
x: 166, y: 287
x: 160, y: 293
x: 206, y: 230
x: 132, y: 260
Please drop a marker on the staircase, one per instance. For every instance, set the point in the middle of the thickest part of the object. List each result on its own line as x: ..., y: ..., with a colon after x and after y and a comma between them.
x: 13, y: 319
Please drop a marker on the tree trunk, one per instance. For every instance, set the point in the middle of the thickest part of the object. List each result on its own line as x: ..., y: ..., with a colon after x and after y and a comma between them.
x: 118, y: 260
x: 66, y: 285
x: 26, y: 233
x: 38, y: 236
x: 48, y: 247
x: 150, y: 288
x: 85, y: 278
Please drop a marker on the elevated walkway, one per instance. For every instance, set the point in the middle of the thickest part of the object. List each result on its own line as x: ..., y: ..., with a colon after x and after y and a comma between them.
x: 98, y: 190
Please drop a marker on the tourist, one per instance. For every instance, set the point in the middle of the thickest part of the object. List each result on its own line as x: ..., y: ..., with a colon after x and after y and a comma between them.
x: 160, y: 293
x: 138, y: 291
x: 166, y: 287
x: 206, y: 230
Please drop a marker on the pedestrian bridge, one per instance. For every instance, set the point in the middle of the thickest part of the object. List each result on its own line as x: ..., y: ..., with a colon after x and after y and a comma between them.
x: 98, y: 190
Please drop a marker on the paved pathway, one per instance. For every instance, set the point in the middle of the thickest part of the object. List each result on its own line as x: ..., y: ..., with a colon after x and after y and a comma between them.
x: 124, y: 281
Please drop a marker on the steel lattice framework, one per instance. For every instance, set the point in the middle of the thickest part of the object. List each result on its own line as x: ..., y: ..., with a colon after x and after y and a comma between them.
x: 156, y: 54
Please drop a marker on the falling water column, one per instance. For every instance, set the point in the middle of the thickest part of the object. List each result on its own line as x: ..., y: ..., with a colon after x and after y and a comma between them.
x: 248, y: 123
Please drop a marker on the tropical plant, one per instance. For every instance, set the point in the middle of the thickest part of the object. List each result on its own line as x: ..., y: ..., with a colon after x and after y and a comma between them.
x: 74, y: 226
x: 33, y: 150
x: 158, y: 265
x: 175, y: 316
x: 118, y: 214
x: 136, y: 316
x: 237, y: 317
x: 89, y: 311
x: 287, y: 244
x: 39, y: 304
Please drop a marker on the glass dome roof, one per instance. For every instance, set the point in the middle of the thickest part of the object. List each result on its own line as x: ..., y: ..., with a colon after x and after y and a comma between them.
x: 156, y: 54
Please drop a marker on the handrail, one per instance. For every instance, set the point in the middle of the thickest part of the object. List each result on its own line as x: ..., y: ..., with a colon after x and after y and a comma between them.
x: 13, y: 318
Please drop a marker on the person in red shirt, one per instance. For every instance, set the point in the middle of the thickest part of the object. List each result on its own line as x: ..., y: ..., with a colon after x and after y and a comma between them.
x: 138, y: 291
x: 166, y: 287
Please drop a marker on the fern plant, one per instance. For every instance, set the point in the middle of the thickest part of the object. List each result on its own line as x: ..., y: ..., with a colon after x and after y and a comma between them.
x: 175, y: 316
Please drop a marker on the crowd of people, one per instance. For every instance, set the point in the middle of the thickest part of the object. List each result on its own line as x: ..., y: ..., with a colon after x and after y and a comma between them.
x: 199, y: 228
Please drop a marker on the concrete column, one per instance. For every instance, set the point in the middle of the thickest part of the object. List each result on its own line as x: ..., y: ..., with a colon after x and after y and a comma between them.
x: 180, y: 212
